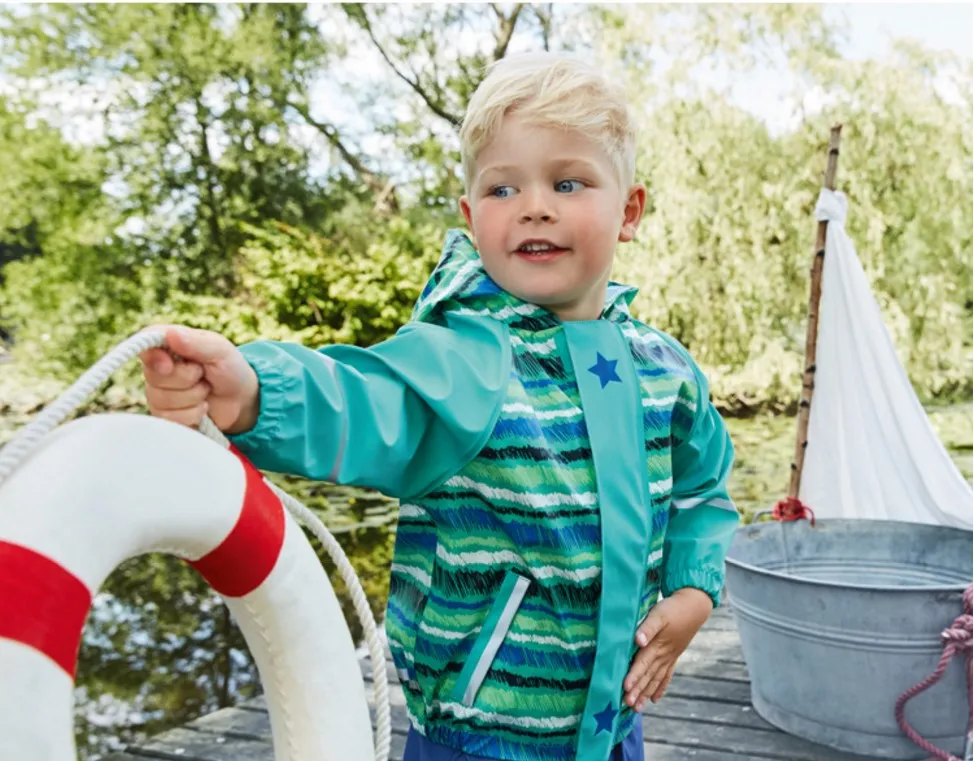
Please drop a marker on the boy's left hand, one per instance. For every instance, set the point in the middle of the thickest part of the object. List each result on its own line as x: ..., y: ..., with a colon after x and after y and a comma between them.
x: 663, y: 636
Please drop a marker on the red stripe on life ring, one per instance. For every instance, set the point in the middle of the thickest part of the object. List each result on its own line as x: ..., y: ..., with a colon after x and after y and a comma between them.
x: 42, y: 605
x: 249, y: 553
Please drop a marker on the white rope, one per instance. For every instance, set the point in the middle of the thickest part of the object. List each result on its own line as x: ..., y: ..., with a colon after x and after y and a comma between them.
x: 27, y: 439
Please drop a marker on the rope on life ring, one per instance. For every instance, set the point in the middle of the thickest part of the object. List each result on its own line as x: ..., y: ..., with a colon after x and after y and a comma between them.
x: 28, y: 439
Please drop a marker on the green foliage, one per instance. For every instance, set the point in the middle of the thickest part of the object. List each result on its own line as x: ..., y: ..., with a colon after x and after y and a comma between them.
x: 355, y: 284
x: 68, y: 310
x: 724, y: 253
x: 196, y: 119
x: 907, y: 171
x: 219, y: 195
x: 51, y: 191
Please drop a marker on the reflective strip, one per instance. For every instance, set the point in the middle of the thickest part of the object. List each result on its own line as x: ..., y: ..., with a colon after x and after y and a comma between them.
x: 686, y: 504
x: 340, y: 455
x: 515, y: 587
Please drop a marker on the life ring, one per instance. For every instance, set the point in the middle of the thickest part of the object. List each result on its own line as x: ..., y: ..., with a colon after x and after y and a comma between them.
x: 109, y: 487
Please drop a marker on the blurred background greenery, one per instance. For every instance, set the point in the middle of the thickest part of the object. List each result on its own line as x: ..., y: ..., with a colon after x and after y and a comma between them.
x: 288, y: 171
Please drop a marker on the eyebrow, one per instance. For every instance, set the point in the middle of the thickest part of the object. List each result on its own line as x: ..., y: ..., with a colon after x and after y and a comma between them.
x: 558, y: 164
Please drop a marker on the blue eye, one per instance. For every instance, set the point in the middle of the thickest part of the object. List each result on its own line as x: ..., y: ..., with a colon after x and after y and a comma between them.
x: 568, y: 186
x: 502, y: 191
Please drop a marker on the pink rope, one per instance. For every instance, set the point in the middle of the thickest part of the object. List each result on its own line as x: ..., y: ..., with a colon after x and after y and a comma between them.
x: 957, y: 641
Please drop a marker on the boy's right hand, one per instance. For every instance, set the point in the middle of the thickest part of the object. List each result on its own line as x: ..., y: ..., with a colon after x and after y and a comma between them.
x: 210, y: 376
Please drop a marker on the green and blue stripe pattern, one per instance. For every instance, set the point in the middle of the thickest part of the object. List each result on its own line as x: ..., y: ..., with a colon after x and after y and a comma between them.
x: 496, y: 578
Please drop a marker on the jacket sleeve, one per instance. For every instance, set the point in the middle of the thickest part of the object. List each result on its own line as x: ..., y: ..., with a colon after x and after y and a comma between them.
x: 702, y: 519
x: 400, y: 417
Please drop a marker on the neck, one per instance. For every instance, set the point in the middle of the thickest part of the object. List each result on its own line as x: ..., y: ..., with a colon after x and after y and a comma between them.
x: 577, y: 312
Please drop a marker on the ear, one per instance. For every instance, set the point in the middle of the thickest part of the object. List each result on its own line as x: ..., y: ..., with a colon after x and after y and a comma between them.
x: 467, y: 210
x: 632, y: 214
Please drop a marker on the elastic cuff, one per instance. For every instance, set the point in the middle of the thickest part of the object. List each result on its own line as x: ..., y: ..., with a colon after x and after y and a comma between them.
x: 274, y: 387
x: 709, y: 580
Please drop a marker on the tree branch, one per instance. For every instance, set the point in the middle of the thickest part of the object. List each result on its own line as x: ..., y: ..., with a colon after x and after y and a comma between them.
x: 543, y: 14
x: 384, y: 189
x: 436, y: 107
x: 506, y: 30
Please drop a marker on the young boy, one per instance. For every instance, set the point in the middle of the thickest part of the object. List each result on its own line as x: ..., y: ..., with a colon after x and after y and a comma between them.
x: 562, y: 473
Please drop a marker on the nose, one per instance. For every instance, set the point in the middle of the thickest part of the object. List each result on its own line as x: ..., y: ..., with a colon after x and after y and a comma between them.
x: 537, y: 206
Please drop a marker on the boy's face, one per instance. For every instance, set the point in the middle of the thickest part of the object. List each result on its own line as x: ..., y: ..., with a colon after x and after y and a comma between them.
x: 545, y: 210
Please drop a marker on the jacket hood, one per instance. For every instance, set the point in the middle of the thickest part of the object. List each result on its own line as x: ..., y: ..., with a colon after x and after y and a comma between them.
x: 459, y: 283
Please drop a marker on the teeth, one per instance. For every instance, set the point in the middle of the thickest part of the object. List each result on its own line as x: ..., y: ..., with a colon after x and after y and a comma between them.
x: 535, y: 247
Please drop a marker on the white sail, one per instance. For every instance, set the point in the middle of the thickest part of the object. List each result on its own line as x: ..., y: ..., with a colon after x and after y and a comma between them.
x: 872, y: 452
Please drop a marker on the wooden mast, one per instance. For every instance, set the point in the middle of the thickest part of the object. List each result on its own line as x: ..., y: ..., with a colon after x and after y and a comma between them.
x: 811, y: 335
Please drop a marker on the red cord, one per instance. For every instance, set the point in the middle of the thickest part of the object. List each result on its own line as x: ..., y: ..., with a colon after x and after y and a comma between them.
x: 792, y: 509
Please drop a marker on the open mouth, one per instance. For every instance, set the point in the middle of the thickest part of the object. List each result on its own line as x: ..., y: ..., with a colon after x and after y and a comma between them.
x: 539, y: 250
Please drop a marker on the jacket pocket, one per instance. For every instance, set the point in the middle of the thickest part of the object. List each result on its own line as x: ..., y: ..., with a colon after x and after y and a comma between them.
x: 491, y: 636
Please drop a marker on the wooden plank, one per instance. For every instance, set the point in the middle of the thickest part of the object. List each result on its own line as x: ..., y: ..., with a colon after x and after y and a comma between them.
x: 184, y: 744
x: 397, y: 711
x: 704, y: 688
x: 744, y: 741
x: 398, y: 717
x: 723, y: 612
x: 698, y: 663
x: 715, y: 711
x: 236, y: 722
x: 252, y: 720
x: 724, y: 623
x: 365, y: 664
x: 719, y: 644
x: 662, y: 752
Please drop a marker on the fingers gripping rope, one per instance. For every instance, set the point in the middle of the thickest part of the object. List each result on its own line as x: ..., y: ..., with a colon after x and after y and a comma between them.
x: 27, y: 439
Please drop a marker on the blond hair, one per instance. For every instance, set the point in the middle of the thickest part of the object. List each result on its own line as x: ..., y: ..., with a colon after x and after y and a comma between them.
x: 551, y: 90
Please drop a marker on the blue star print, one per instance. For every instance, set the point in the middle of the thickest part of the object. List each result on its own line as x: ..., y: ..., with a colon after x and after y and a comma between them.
x: 605, y: 369
x: 603, y: 719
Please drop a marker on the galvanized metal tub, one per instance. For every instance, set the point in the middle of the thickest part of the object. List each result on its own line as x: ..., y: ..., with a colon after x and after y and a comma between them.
x: 838, y: 620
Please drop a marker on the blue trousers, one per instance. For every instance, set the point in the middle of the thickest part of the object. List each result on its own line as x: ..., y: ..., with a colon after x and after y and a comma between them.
x: 418, y: 748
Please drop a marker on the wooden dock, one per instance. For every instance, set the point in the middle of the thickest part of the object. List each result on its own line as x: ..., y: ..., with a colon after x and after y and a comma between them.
x: 706, y: 715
